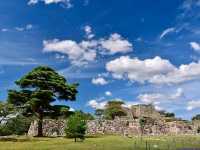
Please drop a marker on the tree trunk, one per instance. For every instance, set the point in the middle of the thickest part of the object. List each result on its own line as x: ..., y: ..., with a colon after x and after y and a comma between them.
x: 40, y: 121
x: 75, y: 139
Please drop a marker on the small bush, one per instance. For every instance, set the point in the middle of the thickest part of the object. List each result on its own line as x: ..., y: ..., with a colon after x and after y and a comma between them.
x: 17, y: 126
x: 4, y: 130
x: 76, y: 126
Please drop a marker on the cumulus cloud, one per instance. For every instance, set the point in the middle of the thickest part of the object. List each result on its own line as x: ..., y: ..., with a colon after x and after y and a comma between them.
x: 138, y: 70
x: 193, y: 105
x: 166, y: 31
x: 47, y: 2
x: 88, y: 32
x: 158, y: 108
x: 71, y: 109
x: 189, y: 4
x: 100, y: 103
x: 99, y: 81
x: 156, y: 98
x: 108, y: 93
x: 78, y: 53
x: 195, y: 46
x: 96, y: 104
x: 155, y: 70
x: 116, y: 44
x: 163, y: 101
x: 129, y: 104
x: 181, y: 74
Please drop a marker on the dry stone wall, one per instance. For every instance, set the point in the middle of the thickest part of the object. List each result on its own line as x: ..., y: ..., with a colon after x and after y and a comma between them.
x: 117, y: 126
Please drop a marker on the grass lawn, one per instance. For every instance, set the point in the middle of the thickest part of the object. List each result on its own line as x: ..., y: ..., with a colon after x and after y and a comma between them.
x: 102, y: 143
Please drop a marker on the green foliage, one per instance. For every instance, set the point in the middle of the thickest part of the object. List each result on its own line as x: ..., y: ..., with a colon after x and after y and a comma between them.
x: 6, y: 109
x: 99, y: 112
x: 142, y: 122
x: 5, y: 131
x: 197, y: 117
x: 38, y: 90
x: 76, y: 126
x: 167, y: 114
x: 86, y: 116
x: 19, y: 125
x: 113, y: 109
x: 15, y: 126
x: 172, y: 115
x: 198, y: 130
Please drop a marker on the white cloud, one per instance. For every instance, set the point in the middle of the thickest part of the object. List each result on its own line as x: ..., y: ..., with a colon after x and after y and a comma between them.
x: 150, y: 98
x: 138, y: 70
x: 71, y: 109
x: 88, y: 32
x: 4, y: 30
x: 128, y: 104
x: 83, y: 52
x: 189, y: 4
x: 164, y: 101
x: 47, y: 2
x: 100, y: 103
x: 24, y: 28
x: 116, y: 44
x: 60, y: 57
x: 19, y: 29
x: 29, y: 26
x: 158, y: 108
x: 99, y: 81
x: 96, y: 104
x: 195, y: 46
x: 193, y: 105
x: 78, y: 53
x: 155, y: 70
x: 33, y: 2
x: 181, y: 74
x: 179, y: 93
x: 108, y: 93
x: 166, y: 31
x: 157, y: 98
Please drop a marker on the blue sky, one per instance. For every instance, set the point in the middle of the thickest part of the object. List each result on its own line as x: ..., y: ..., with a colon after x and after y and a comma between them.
x: 137, y: 51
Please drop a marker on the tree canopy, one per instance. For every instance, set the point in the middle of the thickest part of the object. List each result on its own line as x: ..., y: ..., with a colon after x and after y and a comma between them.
x: 113, y: 109
x: 76, y: 126
x: 197, y: 117
x: 5, y: 110
x: 38, y: 89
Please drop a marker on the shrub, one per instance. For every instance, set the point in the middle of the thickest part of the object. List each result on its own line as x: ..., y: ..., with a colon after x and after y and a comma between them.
x: 197, y: 117
x: 142, y: 122
x: 198, y: 130
x: 18, y: 126
x: 4, y: 130
x: 76, y: 126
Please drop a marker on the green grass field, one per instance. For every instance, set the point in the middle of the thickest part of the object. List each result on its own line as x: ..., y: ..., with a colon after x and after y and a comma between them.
x: 102, y: 143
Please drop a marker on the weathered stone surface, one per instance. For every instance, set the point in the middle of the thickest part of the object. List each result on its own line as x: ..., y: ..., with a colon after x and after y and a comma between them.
x: 156, y: 124
x: 117, y: 126
x: 50, y: 128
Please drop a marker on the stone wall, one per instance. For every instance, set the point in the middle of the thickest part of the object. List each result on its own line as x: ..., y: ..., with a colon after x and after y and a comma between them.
x: 117, y: 126
x: 50, y: 128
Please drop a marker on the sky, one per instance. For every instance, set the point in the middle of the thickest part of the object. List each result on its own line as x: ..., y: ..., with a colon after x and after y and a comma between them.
x: 137, y: 51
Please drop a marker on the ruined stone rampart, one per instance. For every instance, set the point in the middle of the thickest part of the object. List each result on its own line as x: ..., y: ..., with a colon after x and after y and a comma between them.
x: 117, y: 126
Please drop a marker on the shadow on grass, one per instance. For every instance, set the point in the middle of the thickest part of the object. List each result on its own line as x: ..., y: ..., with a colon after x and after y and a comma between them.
x: 21, y: 139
